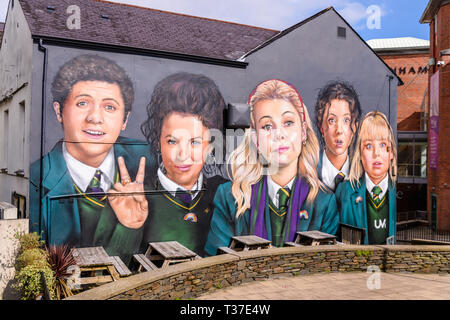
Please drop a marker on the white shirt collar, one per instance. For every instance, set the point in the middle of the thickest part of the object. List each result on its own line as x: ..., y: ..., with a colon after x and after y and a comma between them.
x: 82, y: 174
x: 172, y: 187
x: 273, y: 188
x: 384, y: 184
x: 329, y: 171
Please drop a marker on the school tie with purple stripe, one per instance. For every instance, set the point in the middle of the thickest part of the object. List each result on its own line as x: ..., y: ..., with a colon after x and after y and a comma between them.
x: 376, y: 194
x: 338, y: 179
x: 94, y: 185
x: 184, y: 196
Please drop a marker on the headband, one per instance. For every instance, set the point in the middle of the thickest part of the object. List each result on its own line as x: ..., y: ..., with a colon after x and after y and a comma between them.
x: 290, y: 85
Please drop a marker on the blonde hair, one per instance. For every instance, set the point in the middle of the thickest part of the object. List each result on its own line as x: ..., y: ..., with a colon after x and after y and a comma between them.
x: 246, y: 166
x: 373, y: 126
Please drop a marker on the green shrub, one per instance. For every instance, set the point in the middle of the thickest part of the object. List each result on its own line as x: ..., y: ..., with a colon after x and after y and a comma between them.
x: 29, y: 240
x: 29, y: 281
x: 30, y: 263
x: 32, y: 256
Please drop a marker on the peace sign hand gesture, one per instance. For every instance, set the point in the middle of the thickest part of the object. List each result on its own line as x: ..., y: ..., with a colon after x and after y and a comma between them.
x: 131, y: 210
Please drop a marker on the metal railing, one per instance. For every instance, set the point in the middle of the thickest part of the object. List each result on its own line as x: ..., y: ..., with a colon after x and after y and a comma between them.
x: 414, y: 225
x: 407, y: 232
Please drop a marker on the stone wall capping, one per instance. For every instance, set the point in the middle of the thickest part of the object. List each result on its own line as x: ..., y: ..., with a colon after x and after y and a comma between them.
x: 190, y: 279
x: 420, y: 248
x: 293, y: 250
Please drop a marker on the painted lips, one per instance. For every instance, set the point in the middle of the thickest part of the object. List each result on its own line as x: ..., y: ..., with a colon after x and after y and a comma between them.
x: 183, y: 168
x: 339, y: 143
x: 94, y: 134
x: 377, y: 164
x: 282, y: 149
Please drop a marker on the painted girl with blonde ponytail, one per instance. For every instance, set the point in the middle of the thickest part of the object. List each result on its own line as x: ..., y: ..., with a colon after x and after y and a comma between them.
x: 275, y: 190
x: 367, y: 200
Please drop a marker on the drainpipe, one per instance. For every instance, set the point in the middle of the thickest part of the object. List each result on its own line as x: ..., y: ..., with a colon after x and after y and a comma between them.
x: 43, y: 101
x: 390, y: 77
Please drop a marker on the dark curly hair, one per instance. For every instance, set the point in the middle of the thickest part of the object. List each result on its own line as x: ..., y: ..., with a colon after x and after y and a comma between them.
x: 186, y: 93
x: 90, y: 67
x: 340, y: 90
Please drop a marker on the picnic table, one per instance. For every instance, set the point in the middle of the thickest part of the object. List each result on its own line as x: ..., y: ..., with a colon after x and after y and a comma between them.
x: 251, y: 242
x: 169, y: 252
x: 314, y: 238
x: 93, y: 261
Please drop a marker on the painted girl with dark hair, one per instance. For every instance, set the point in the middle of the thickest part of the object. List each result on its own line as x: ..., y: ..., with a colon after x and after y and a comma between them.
x: 337, y: 116
x: 182, y: 111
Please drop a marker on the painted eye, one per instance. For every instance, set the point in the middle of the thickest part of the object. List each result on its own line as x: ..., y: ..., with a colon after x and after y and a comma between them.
x: 331, y: 121
x: 110, y: 108
x: 383, y: 145
x: 267, y: 127
x: 288, y: 123
x: 368, y: 146
x: 196, y: 142
x: 347, y: 120
x: 81, y: 104
x: 172, y: 141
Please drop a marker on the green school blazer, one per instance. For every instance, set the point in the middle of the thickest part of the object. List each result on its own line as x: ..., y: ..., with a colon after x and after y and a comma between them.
x: 322, y: 215
x: 353, y: 209
x: 59, y: 219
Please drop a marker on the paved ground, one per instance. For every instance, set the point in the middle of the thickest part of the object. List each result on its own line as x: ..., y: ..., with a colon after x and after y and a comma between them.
x: 341, y: 286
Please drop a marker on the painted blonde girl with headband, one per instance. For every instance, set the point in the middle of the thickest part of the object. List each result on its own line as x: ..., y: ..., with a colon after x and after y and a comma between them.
x: 275, y: 190
x: 367, y: 199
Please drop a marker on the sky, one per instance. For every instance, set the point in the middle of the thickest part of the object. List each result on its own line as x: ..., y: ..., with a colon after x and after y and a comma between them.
x: 372, y: 19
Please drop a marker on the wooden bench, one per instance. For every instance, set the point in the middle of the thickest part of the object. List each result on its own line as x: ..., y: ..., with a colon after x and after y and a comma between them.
x: 351, y: 234
x: 144, y: 262
x: 292, y: 244
x: 121, y: 268
x: 225, y: 250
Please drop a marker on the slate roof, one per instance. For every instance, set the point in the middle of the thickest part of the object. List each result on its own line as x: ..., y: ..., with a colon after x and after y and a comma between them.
x: 144, y: 28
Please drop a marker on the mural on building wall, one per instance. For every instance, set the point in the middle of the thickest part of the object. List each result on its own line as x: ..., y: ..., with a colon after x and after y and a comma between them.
x: 96, y: 187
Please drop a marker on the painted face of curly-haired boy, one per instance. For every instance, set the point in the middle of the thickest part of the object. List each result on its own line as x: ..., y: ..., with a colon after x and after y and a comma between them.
x: 93, y: 97
x: 93, y: 117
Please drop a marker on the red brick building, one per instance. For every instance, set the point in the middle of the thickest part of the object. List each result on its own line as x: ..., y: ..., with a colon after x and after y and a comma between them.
x: 408, y: 57
x: 437, y: 15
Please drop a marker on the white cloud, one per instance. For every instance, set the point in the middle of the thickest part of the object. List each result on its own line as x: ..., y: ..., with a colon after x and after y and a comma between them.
x: 353, y: 12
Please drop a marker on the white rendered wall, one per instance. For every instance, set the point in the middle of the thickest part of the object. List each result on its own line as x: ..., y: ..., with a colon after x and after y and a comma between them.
x: 15, y: 102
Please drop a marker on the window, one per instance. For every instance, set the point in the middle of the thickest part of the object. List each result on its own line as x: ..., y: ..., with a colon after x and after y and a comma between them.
x: 20, y: 202
x: 5, y: 139
x: 22, y: 136
x: 412, y: 159
x: 341, y: 32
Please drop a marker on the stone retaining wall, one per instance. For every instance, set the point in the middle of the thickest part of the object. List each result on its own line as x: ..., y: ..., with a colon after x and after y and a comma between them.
x: 190, y: 279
